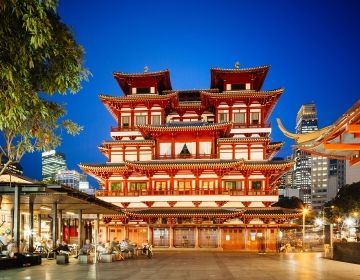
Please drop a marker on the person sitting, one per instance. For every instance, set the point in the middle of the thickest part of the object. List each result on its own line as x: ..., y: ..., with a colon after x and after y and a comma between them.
x: 12, y: 249
x: 114, y: 244
x: 101, y: 249
x: 126, y: 247
x: 63, y: 248
x: 145, y: 246
x: 85, y: 250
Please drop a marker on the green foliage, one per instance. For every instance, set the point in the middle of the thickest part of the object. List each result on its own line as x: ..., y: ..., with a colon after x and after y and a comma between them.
x: 346, y: 202
x: 39, y: 57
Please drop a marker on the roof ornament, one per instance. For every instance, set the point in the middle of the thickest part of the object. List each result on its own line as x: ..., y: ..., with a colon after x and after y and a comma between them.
x: 237, y: 65
x: 146, y: 69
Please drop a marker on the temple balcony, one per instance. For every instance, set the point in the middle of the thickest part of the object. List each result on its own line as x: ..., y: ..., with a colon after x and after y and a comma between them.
x: 190, y: 156
x: 101, y: 193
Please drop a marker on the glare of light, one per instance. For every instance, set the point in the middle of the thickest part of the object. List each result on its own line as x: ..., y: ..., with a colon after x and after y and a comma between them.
x: 305, y: 211
x: 319, y: 222
x: 349, y: 222
x: 280, y: 234
x: 27, y: 232
x: 70, y: 213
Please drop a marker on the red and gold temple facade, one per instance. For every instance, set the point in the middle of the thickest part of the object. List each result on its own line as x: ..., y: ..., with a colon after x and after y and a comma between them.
x: 191, y: 167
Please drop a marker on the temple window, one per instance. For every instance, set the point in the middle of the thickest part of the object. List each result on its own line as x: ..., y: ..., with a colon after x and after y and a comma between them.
x: 115, y: 186
x: 160, y: 185
x: 256, y: 185
x: 137, y: 186
x: 155, y: 119
x: 223, y: 117
x: 125, y: 121
x: 234, y: 185
x: 239, y: 118
x: 238, y: 86
x: 255, y: 117
x: 140, y: 120
x: 208, y: 185
x: 184, y: 185
x: 143, y: 90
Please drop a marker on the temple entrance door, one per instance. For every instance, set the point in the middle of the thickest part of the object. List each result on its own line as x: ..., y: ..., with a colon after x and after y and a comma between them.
x: 115, y: 232
x: 137, y: 234
x: 208, y: 237
x: 233, y: 238
x: 161, y: 237
x: 184, y: 237
x: 256, y: 239
x: 271, y: 239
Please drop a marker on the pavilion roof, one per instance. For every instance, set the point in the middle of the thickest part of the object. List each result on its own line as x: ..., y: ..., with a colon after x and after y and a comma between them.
x: 114, y: 103
x: 185, y: 127
x: 160, y: 78
x: 184, y: 212
x: 267, y: 99
x: 271, y: 212
x: 187, y: 164
x: 243, y: 139
x: 257, y: 74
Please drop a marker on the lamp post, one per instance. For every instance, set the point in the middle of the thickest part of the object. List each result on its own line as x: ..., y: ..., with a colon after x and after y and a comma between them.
x: 323, y: 219
x: 305, y: 210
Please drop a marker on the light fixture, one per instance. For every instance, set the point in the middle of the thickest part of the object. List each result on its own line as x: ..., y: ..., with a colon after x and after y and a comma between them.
x: 70, y: 213
x: 44, y: 207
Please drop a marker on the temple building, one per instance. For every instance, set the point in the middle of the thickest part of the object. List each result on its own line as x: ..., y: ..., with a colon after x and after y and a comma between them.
x: 193, y: 168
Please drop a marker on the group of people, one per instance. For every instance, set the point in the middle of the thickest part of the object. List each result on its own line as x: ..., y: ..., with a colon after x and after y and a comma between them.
x: 9, y: 247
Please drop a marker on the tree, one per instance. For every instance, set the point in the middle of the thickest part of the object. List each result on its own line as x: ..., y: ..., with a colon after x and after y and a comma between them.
x: 346, y: 202
x: 39, y: 57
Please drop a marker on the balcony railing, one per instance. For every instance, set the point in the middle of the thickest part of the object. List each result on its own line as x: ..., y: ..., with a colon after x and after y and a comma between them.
x: 187, y: 192
x: 191, y: 156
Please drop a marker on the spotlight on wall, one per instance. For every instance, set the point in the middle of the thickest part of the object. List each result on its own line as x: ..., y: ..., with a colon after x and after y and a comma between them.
x: 44, y: 207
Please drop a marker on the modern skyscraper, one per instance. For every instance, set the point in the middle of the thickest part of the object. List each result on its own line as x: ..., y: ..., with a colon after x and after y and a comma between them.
x: 71, y: 178
x: 52, y: 163
x: 306, y: 121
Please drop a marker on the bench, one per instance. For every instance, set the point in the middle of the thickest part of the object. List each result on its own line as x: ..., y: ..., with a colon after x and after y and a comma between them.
x: 86, y: 259
x: 62, y: 259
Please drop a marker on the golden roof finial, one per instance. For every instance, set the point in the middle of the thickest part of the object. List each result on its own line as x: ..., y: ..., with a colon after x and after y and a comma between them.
x: 237, y: 65
x: 146, y: 69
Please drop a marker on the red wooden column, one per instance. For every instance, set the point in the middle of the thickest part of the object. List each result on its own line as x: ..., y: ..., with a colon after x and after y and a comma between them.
x: 248, y: 115
x: 138, y: 153
x: 249, y: 151
x: 172, y: 145
x: 233, y: 151
x: 230, y: 112
x: 246, y: 181
x: 107, y: 184
x: 197, y: 146
x: 267, y: 183
x: 149, y: 114
x: 132, y: 121
x: 149, y: 190
x: 219, y: 184
x: 125, y: 185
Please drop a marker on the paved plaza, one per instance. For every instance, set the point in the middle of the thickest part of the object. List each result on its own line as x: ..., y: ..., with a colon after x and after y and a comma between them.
x: 196, y: 265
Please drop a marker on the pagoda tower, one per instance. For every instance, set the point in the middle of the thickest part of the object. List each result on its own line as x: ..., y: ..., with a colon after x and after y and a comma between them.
x: 193, y: 168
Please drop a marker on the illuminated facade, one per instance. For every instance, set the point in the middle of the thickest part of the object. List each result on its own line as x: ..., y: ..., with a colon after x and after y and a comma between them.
x: 193, y: 168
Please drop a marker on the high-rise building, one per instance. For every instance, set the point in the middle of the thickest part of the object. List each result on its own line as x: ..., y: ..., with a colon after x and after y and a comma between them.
x: 70, y: 178
x: 52, y: 163
x: 306, y: 121
x: 193, y: 168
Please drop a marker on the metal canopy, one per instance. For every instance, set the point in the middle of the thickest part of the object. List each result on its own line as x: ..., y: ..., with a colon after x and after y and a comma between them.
x: 67, y: 198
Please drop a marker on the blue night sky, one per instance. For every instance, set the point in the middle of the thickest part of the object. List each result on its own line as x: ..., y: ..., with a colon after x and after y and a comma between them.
x: 312, y: 47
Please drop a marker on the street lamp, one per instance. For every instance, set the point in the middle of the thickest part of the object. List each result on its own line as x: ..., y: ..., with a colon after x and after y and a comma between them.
x: 323, y: 218
x: 304, y: 212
